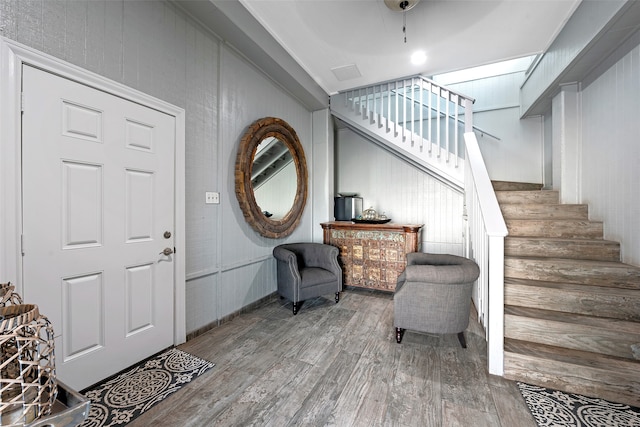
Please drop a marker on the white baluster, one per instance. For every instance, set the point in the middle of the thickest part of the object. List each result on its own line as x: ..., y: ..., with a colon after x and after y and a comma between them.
x: 404, y: 110
x: 430, y: 113
x: 421, y: 114
x: 413, y: 111
x: 388, y: 107
x: 455, y: 128
x: 438, y: 120
x: 447, y: 124
x: 397, y: 117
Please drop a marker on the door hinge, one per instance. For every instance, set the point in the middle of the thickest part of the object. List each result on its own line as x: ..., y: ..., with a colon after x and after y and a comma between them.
x: 22, y: 102
x: 22, y: 244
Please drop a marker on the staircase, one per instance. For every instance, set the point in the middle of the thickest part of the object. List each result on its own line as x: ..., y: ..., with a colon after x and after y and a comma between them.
x: 572, y: 309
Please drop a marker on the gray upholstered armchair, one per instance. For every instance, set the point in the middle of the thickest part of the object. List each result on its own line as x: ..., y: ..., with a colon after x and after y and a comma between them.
x: 433, y: 294
x: 307, y: 270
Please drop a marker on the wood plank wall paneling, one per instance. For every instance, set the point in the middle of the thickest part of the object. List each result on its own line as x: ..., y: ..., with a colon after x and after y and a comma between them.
x: 403, y: 193
x: 158, y: 49
x: 611, y: 153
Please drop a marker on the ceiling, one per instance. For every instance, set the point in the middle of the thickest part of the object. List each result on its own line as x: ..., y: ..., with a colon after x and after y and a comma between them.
x: 362, y: 41
x: 316, y: 48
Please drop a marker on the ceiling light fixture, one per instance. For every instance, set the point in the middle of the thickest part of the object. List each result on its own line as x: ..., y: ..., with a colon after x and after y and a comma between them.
x: 402, y: 6
x: 418, y: 57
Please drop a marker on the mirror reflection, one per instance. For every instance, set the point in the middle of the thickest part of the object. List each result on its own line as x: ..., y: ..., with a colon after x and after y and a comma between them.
x: 273, y: 178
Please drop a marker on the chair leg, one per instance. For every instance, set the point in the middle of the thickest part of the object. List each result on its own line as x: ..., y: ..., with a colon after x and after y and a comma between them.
x: 463, y: 342
x: 296, y: 307
x: 399, y: 334
x: 337, y: 297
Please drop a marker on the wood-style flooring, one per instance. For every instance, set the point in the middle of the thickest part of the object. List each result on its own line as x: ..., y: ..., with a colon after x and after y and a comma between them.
x: 338, y: 365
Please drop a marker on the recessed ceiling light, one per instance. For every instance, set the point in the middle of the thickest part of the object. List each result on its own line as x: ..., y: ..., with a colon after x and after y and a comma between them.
x: 418, y: 58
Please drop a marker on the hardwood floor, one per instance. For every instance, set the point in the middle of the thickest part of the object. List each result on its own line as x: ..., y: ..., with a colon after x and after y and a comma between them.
x: 339, y: 365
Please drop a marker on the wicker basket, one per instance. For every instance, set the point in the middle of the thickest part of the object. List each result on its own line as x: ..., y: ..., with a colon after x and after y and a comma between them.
x: 28, y: 386
x: 8, y: 296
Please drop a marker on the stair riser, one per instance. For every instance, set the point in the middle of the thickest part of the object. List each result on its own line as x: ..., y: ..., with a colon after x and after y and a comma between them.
x: 568, y: 229
x: 603, y: 338
x: 515, y: 186
x: 622, y: 304
x: 545, y: 211
x: 617, y: 385
x: 570, y: 271
x: 571, y: 249
x: 527, y: 197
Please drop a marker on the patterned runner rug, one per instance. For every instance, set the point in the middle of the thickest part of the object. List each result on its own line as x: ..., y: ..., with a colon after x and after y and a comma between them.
x: 559, y: 409
x: 123, y: 398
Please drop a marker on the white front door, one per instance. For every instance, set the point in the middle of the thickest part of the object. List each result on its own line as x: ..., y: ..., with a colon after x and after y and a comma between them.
x: 98, y: 211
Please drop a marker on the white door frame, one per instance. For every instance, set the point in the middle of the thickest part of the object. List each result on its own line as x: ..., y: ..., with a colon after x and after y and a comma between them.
x: 12, y: 56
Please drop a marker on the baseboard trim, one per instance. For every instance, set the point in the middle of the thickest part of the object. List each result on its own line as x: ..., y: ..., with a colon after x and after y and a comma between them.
x: 247, y: 308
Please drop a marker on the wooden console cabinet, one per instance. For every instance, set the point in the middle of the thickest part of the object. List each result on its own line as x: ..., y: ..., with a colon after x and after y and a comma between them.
x: 372, y: 255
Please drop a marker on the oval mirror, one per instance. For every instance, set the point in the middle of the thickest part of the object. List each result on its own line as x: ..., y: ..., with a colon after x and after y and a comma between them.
x: 271, y: 177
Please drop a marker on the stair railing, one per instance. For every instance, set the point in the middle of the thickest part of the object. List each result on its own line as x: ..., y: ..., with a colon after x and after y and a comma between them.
x: 416, y: 114
x: 485, y: 235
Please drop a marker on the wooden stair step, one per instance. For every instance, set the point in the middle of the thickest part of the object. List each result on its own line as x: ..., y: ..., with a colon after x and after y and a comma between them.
x: 593, y: 249
x: 563, y: 228
x: 600, y: 301
x: 601, y: 335
x: 515, y: 186
x: 544, y: 211
x: 544, y: 196
x: 573, y: 371
x: 586, y: 272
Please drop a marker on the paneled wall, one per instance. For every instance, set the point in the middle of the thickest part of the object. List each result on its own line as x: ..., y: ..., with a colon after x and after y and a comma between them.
x: 518, y: 153
x: 156, y: 48
x: 610, y: 164
x: 403, y: 193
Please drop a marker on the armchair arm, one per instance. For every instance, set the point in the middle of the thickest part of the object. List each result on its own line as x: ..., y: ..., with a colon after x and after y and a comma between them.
x: 287, y: 264
x: 440, y: 268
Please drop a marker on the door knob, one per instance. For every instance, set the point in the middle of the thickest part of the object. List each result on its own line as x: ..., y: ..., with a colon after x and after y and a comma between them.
x: 166, y: 251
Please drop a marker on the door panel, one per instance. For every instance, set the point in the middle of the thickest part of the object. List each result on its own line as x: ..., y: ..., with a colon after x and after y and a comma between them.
x: 98, y: 194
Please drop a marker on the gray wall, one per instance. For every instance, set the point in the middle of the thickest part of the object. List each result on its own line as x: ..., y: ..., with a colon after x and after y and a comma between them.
x: 156, y: 48
x: 610, y: 151
x: 401, y: 191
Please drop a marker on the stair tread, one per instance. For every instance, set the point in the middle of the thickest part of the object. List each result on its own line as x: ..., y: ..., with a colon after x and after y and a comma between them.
x: 572, y: 287
x: 565, y: 270
x: 581, y: 262
x: 555, y: 227
x: 566, y: 355
x: 514, y: 185
x: 620, y: 325
x: 565, y: 240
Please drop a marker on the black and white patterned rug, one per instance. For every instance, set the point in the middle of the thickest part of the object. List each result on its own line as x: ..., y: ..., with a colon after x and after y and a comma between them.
x: 121, y: 399
x: 554, y: 408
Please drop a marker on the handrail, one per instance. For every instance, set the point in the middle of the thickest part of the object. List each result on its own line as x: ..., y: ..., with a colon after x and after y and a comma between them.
x: 426, y: 79
x: 486, y: 230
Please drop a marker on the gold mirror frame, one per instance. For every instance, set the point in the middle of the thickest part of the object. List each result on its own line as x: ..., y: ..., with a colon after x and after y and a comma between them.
x: 255, y: 134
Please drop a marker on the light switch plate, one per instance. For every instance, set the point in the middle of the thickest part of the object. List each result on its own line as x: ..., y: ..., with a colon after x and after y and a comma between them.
x: 212, y: 197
